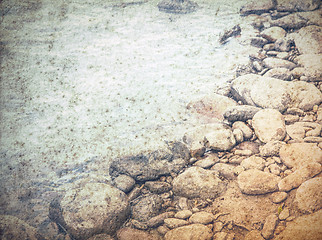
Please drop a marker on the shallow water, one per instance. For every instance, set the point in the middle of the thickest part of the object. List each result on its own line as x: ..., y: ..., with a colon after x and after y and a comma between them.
x: 85, y: 79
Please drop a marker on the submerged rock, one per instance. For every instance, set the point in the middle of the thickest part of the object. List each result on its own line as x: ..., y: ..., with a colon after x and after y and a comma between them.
x: 152, y: 165
x: 13, y: 228
x: 196, y: 182
x: 273, y: 93
x: 146, y: 206
x: 307, y: 227
x: 269, y: 125
x: 193, y: 231
x: 254, y: 181
x: 177, y: 6
x: 134, y: 234
x: 92, y: 209
x: 297, y: 5
x: 309, y: 195
x: 257, y: 7
x: 240, y: 113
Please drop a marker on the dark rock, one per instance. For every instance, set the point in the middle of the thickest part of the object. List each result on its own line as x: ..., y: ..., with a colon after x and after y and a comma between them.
x: 145, y: 207
x: 257, y: 7
x: 258, y: 41
x: 15, y: 229
x: 124, y: 183
x: 241, y: 113
x: 158, y: 187
x: 177, y: 6
x: 297, y: 5
x: 151, y: 166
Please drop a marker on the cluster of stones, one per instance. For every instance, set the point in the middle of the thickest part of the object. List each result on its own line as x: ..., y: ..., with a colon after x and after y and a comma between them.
x: 254, y: 173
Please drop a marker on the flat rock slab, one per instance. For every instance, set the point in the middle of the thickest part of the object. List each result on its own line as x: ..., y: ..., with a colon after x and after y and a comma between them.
x: 197, y: 182
x: 266, y: 92
x: 254, y: 182
x: 193, y: 231
x: 152, y: 165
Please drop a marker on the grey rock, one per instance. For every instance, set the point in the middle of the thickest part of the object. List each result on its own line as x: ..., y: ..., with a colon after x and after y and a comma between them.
x: 272, y: 62
x: 193, y: 231
x: 280, y: 73
x: 257, y: 7
x: 124, y: 183
x: 152, y: 165
x: 308, y: 39
x: 307, y: 227
x: 177, y: 6
x: 297, y: 5
x: 271, y: 148
x: 197, y: 182
x: 157, y: 186
x: 92, y: 209
x: 240, y: 113
x: 309, y: 195
x: 14, y: 228
x: 311, y: 67
x: 269, y: 125
x: 283, y: 44
x: 224, y: 170
x: 273, y: 33
x: 258, y: 42
x: 253, y: 162
x: 254, y: 182
x: 217, y: 136
x: 291, y: 21
x: 145, y: 207
x: 246, y: 130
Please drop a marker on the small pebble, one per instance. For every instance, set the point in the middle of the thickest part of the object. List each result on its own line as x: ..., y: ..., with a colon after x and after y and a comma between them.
x: 245, y: 152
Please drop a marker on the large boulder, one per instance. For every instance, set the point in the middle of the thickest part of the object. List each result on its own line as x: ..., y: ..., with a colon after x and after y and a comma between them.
x: 269, y: 125
x: 197, y: 182
x: 152, y: 165
x: 273, y: 93
x: 307, y: 227
x: 190, y: 232
x: 92, y: 209
x: 15, y: 229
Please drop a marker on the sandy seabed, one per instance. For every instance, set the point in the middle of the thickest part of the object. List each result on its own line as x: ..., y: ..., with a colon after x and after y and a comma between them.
x: 84, y: 80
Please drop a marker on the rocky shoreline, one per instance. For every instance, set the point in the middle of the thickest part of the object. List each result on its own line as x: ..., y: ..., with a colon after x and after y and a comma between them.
x: 251, y: 171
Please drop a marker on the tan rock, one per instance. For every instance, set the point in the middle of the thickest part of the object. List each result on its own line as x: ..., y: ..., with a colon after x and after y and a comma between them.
x: 190, y: 232
x: 273, y: 33
x: 269, y: 226
x: 202, y: 218
x: 134, y: 234
x: 254, y: 181
x: 175, y: 223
